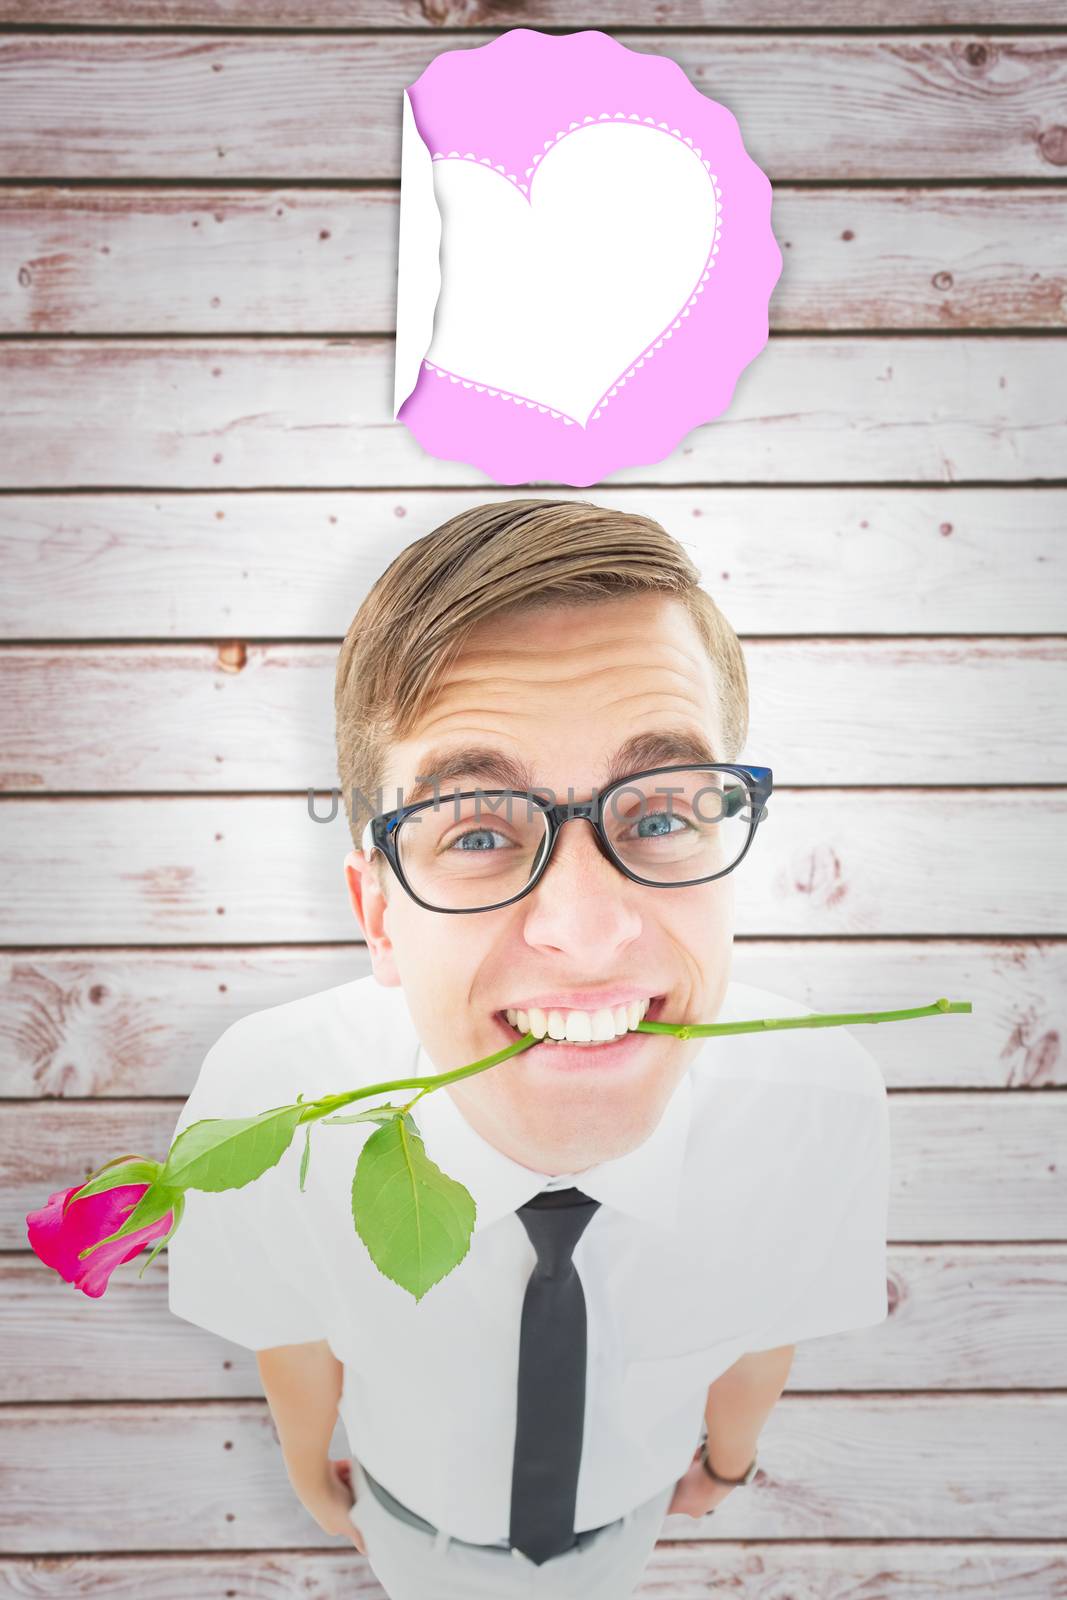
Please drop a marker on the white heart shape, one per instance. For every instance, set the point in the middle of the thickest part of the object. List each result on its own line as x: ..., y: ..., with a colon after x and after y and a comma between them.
x: 552, y: 297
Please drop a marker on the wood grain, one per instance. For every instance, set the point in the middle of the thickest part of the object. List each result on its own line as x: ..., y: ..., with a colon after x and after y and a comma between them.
x: 265, y: 106
x: 224, y: 869
x: 300, y: 412
x: 261, y: 717
x: 678, y: 1569
x: 945, y: 1146
x: 106, y: 1023
x: 294, y: 260
x: 234, y: 15
x: 807, y: 562
x: 962, y: 1317
x: 844, y: 1466
x: 202, y: 481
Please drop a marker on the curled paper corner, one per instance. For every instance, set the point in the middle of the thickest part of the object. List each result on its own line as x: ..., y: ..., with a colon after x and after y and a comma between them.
x: 419, y: 260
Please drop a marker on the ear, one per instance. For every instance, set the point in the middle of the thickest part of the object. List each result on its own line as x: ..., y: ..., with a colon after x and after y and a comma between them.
x: 370, y: 906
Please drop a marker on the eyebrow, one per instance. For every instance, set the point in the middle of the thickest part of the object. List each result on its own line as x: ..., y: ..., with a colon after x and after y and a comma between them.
x: 662, y: 748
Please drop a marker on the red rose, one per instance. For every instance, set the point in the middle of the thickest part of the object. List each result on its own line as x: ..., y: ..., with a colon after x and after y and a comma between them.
x: 56, y: 1235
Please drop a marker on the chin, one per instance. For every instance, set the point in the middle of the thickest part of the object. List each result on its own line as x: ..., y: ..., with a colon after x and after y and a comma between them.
x: 604, y: 1140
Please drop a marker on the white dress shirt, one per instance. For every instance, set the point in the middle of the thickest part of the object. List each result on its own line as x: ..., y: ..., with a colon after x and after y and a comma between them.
x: 754, y: 1215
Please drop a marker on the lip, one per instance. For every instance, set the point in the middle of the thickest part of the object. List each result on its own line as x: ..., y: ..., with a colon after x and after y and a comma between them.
x: 629, y: 1047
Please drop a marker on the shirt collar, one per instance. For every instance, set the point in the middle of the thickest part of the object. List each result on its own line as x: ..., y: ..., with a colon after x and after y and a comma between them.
x: 645, y: 1182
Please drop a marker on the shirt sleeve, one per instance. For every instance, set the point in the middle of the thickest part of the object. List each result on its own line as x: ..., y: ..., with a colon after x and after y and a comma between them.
x: 239, y: 1263
x: 833, y: 1272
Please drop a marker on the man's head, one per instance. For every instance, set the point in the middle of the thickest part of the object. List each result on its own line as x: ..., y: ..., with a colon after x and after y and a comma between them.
x: 554, y: 632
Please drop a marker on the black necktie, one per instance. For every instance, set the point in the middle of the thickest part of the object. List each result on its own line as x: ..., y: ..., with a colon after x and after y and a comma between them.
x: 551, y: 1402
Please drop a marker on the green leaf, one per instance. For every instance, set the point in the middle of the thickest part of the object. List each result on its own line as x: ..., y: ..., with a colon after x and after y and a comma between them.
x: 306, y: 1157
x: 128, y: 1169
x: 228, y: 1152
x: 415, y: 1221
x: 153, y: 1204
x: 373, y: 1114
x: 179, y: 1207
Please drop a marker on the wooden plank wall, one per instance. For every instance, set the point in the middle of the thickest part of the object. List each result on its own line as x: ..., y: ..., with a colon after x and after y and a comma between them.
x: 200, y: 479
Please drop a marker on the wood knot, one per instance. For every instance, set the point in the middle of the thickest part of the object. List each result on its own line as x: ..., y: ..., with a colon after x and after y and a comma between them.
x: 976, y: 55
x: 1053, y: 145
x: 232, y: 656
x: 943, y: 280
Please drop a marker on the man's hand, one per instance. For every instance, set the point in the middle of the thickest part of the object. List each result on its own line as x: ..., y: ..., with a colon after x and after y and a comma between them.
x: 303, y: 1383
x: 695, y: 1494
x: 332, y: 1502
x: 739, y: 1402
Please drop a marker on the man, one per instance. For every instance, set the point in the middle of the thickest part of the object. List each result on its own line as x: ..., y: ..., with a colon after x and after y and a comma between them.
x: 658, y: 1220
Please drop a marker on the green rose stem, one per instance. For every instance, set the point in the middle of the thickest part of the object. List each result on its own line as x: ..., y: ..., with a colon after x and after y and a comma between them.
x: 681, y: 1030
x: 415, y: 1221
x: 705, y: 1030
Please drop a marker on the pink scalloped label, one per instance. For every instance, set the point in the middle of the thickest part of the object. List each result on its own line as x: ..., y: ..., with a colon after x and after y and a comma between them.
x: 605, y: 258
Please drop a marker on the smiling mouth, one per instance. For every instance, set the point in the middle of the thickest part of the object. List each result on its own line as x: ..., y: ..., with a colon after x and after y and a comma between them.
x: 651, y: 1014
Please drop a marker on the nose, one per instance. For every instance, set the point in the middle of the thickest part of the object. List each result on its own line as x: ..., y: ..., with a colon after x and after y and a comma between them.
x: 582, y: 902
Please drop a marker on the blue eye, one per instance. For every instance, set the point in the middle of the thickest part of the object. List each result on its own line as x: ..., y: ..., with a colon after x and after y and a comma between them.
x: 473, y: 833
x: 660, y: 816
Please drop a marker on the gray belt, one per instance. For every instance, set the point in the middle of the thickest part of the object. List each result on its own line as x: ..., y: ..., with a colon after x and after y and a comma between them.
x: 401, y: 1511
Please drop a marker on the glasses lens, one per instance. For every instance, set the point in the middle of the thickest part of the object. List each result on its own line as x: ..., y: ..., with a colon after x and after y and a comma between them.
x: 472, y: 852
x: 677, y: 827
x: 469, y: 852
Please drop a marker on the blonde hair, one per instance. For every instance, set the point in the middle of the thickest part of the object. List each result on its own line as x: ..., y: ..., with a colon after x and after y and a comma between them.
x: 508, y: 556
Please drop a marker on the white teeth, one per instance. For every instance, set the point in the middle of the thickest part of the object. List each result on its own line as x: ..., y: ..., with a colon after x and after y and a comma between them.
x: 580, y: 1027
x: 603, y: 1025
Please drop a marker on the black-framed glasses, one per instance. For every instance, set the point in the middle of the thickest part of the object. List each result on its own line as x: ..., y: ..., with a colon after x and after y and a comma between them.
x: 480, y: 849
